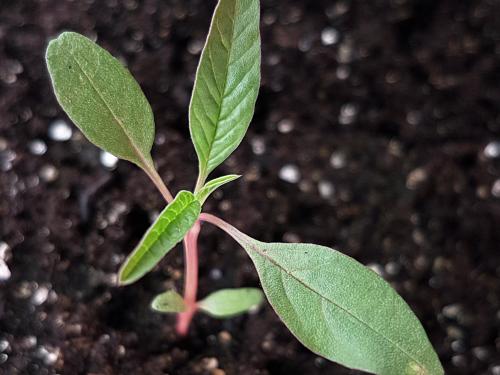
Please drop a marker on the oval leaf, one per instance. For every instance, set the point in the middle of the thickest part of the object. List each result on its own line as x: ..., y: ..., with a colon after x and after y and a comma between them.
x: 227, y: 83
x: 168, y: 302
x: 340, y: 309
x: 169, y: 229
x: 227, y: 303
x: 101, y: 97
x: 213, y: 185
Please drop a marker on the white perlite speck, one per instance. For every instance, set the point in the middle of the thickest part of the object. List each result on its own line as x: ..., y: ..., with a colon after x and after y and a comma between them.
x: 492, y: 150
x: 329, y: 36
x: 108, y: 160
x: 60, y: 131
x: 290, y: 173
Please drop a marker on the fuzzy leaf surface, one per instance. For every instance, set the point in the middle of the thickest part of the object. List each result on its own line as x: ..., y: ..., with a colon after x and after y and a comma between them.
x: 213, y: 185
x: 227, y: 82
x: 168, y: 302
x: 227, y: 303
x: 340, y: 309
x: 169, y: 229
x: 101, y: 97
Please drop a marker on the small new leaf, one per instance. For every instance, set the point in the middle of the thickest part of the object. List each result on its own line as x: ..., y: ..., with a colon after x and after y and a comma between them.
x: 213, y: 185
x: 168, y: 230
x: 101, y: 97
x: 227, y: 303
x: 340, y: 309
x: 227, y: 83
x: 168, y: 302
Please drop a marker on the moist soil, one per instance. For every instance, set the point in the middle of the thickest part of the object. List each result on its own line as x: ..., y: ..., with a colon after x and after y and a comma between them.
x: 374, y: 134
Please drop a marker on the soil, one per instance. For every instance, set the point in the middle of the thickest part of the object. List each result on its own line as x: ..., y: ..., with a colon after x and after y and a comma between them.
x: 374, y: 133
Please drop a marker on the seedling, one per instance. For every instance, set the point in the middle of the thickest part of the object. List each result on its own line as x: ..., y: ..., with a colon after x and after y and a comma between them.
x: 334, y: 305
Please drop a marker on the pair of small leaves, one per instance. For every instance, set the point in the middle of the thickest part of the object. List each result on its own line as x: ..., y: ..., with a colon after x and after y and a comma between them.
x: 225, y: 303
x: 340, y: 309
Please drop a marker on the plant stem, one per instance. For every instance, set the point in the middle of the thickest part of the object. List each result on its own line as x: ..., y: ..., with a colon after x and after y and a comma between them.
x: 160, y: 185
x: 221, y: 224
x: 190, y: 279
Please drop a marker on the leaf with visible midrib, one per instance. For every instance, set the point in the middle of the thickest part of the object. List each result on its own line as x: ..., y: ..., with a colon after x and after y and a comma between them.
x: 340, y: 309
x: 227, y: 83
x: 168, y: 230
x: 101, y: 97
x: 227, y: 303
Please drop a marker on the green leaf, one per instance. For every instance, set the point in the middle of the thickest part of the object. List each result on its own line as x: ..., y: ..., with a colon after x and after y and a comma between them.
x: 168, y: 302
x: 227, y: 83
x: 340, y: 309
x: 227, y: 303
x: 101, y: 97
x: 168, y: 230
x: 213, y: 185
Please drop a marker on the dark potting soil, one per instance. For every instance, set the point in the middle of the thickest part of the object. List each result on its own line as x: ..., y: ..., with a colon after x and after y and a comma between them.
x: 376, y: 132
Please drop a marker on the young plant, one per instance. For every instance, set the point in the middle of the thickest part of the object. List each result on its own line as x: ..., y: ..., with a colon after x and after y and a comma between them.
x: 335, y: 306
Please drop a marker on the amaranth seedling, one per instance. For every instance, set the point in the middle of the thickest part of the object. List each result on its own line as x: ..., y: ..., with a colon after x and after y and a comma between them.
x: 335, y: 306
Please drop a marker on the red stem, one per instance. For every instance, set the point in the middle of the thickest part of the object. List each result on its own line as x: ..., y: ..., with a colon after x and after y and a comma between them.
x: 190, y: 279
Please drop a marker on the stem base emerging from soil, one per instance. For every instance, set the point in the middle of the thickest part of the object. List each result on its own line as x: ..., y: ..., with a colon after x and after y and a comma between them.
x: 190, y: 279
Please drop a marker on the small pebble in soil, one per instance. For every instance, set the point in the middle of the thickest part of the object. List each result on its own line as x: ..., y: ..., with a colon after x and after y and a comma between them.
x: 210, y: 363
x: 48, y: 355
x: 392, y: 268
x: 452, y: 311
x: 459, y: 360
x: 319, y: 362
x: 215, y: 274
x: 345, y: 53
x: 4, y: 271
x: 48, y: 173
x: 495, y: 189
x: 3, y: 358
x: 40, y: 296
x: 413, y: 118
x: 495, y: 370
x: 492, y: 150
x: 338, y: 160
x: 291, y: 237
x: 415, y: 178
x: 481, y: 353
x: 339, y: 9
x: 329, y: 36
x: 290, y: 173
x: 37, y: 147
x: 116, y: 211
x: 258, y: 145
x: 343, y: 72
x: 285, y: 126
x: 28, y: 342
x: 326, y: 189
x: 458, y: 346
x: 60, y: 131
x: 108, y: 160
x: 4, y: 346
x: 195, y: 46
x: 348, y: 114
x: 7, y: 158
x: 377, y: 268
x: 224, y: 337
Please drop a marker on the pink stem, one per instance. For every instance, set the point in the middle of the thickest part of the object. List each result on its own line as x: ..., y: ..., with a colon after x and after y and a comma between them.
x: 190, y: 279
